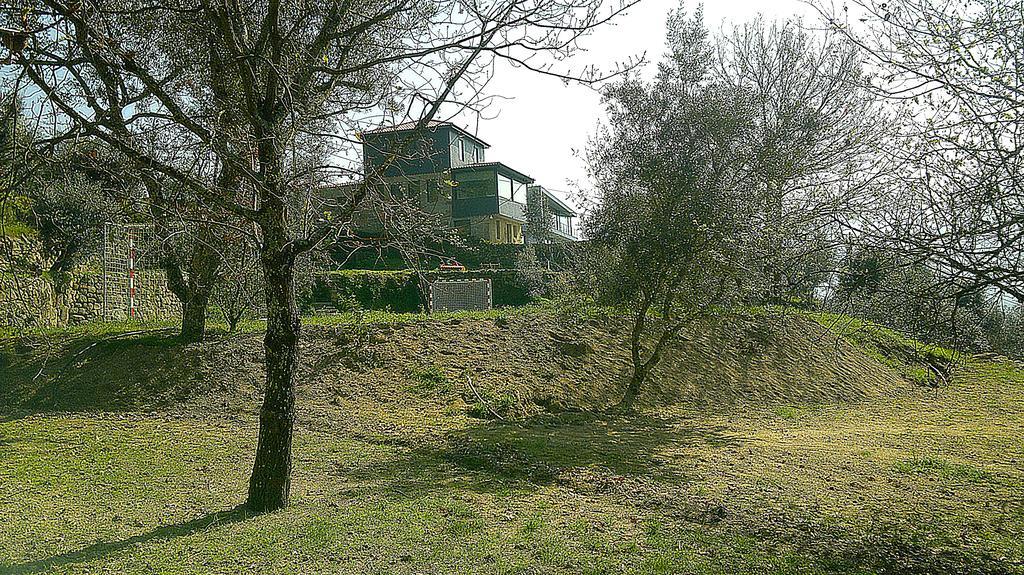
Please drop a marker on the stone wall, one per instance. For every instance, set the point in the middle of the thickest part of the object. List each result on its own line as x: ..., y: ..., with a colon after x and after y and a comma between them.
x: 34, y: 301
x: 26, y: 301
x: 28, y: 298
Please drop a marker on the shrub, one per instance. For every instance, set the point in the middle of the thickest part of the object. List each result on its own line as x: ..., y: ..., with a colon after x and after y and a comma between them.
x: 347, y: 290
x: 399, y: 291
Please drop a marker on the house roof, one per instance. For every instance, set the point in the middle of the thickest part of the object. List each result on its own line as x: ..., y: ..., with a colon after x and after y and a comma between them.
x: 557, y: 201
x: 407, y: 126
x: 501, y: 167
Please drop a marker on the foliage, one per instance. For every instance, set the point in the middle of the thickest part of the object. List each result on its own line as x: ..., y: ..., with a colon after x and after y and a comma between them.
x: 539, y: 220
x: 350, y: 290
x: 69, y: 211
x: 670, y: 235
x: 399, y: 291
x: 957, y: 195
x: 55, y: 196
x: 814, y: 136
x: 239, y: 288
x: 907, y: 295
x: 15, y: 217
x: 530, y: 272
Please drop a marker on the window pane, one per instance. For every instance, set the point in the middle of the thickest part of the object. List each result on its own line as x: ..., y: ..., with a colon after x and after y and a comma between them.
x: 472, y: 185
x: 519, y: 192
x: 504, y: 187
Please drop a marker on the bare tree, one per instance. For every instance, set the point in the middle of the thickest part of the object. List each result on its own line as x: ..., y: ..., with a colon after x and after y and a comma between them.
x: 817, y: 131
x: 251, y: 85
x: 959, y: 204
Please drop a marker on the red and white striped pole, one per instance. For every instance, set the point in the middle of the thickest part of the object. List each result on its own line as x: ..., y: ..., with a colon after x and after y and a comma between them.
x: 131, y: 276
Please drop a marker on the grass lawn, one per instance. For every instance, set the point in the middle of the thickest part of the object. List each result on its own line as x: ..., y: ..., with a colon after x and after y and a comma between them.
x: 929, y: 481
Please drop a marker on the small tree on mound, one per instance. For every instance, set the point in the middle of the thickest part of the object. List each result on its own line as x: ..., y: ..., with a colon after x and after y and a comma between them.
x: 670, y: 232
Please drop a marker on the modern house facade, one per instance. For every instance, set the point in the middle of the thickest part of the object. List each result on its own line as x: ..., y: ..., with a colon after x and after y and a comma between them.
x: 444, y: 169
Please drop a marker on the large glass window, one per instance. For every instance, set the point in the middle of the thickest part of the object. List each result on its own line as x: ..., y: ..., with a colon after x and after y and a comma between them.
x: 504, y: 187
x: 474, y: 186
x: 519, y: 192
x: 564, y: 224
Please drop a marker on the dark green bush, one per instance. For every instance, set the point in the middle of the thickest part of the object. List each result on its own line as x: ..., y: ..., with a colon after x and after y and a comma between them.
x: 345, y: 290
x: 398, y: 291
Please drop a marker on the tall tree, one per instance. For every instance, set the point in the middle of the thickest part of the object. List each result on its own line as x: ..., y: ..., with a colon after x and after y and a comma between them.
x: 817, y: 131
x: 252, y: 84
x: 959, y: 204
x: 670, y: 232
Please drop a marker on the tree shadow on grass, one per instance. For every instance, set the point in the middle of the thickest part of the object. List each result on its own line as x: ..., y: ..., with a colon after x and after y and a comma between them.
x: 104, y: 549
x: 542, y: 450
x: 124, y: 372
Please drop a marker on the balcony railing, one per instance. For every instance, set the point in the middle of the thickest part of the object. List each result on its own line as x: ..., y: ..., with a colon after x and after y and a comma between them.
x: 563, y: 232
x: 488, y: 206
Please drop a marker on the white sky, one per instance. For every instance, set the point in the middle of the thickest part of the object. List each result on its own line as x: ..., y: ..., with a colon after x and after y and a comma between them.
x: 537, y: 130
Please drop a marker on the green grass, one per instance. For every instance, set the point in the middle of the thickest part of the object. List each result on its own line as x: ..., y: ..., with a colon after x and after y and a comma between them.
x: 429, y: 379
x: 218, y: 328
x: 10, y: 224
x: 143, y: 495
x: 928, y: 480
x: 17, y: 229
x: 789, y: 411
x: 942, y: 468
x: 921, y: 363
x: 783, y: 490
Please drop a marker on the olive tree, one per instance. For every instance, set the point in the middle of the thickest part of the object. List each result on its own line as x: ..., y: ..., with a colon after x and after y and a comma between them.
x: 672, y: 224
x: 237, y: 91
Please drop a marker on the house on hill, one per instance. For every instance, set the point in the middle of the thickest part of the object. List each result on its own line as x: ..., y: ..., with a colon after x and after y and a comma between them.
x: 444, y: 170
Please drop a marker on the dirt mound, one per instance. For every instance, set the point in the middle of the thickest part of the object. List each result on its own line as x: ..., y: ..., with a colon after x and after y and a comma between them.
x: 514, y: 365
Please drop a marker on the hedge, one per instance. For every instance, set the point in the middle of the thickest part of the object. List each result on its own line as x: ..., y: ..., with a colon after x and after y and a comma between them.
x: 344, y: 290
x: 474, y: 255
x: 398, y: 291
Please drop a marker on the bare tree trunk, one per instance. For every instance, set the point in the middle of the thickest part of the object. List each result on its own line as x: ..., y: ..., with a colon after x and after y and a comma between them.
x: 270, y: 483
x: 193, y: 317
x: 194, y: 293
x: 643, y: 367
x: 636, y: 353
x: 633, y: 389
x: 190, y: 281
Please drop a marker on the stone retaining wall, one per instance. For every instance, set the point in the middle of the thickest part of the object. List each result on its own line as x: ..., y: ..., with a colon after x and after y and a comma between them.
x: 30, y: 299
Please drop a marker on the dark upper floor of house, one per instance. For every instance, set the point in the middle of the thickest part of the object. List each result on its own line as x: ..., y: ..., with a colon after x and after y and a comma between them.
x: 437, y: 147
x: 445, y: 168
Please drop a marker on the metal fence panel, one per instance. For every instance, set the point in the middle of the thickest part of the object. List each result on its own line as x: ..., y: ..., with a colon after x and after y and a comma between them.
x: 127, y: 250
x: 459, y: 295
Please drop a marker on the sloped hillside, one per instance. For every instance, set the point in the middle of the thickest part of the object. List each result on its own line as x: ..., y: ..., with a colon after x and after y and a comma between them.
x: 768, y: 444
x: 517, y: 364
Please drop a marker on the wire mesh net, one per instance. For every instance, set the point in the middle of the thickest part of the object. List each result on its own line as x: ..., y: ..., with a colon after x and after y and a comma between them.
x: 131, y: 262
x: 458, y: 295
